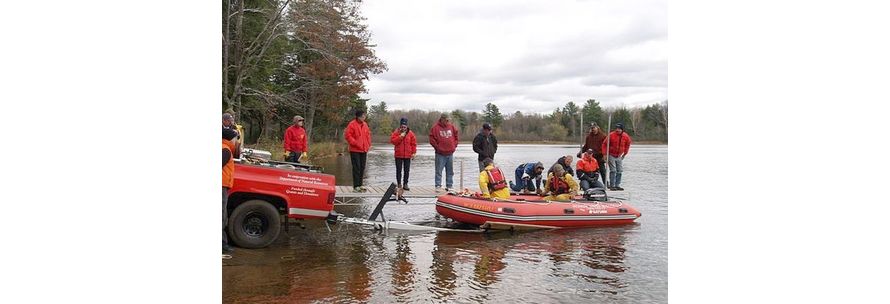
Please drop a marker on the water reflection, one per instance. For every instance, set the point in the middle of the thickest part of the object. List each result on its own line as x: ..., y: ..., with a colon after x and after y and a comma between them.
x: 403, y: 269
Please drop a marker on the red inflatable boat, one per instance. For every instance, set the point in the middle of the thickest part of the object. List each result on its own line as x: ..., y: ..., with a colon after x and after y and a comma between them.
x: 530, y: 212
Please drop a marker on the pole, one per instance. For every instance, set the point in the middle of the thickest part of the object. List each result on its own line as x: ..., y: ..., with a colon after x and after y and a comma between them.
x: 606, y: 155
x: 581, y: 130
x: 461, y: 175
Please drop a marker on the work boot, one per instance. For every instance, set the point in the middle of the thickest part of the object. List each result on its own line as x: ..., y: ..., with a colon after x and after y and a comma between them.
x: 356, y: 189
x: 619, y: 188
x: 406, y: 188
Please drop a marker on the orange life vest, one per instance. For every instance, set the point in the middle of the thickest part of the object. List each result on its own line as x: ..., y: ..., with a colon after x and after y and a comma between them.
x: 557, y: 186
x: 228, y: 171
x: 496, y: 180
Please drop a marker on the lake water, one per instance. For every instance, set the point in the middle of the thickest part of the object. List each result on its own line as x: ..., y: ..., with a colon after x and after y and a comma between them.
x: 624, y: 264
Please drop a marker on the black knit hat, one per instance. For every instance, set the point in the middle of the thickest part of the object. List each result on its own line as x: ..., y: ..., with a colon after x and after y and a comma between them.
x: 619, y: 126
x: 403, y: 121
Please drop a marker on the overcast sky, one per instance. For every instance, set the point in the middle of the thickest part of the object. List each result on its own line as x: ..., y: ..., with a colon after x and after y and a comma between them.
x: 531, y: 56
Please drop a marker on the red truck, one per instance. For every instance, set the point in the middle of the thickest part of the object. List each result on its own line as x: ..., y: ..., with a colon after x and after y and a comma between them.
x: 265, y: 190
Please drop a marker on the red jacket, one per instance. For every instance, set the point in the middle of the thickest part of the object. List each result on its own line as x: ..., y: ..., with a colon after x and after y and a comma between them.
x: 618, y: 144
x: 588, y: 164
x: 295, y: 139
x: 444, y: 138
x: 406, y: 146
x: 358, y: 136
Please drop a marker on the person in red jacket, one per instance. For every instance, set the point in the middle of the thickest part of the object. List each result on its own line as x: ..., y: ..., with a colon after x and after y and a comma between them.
x: 619, y: 145
x: 405, y: 145
x: 295, y: 144
x: 358, y: 135
x: 444, y: 138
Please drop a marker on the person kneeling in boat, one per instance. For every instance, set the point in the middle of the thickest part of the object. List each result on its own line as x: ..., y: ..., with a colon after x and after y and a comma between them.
x: 492, y: 181
x: 587, y: 171
x: 559, y: 185
x: 524, y: 175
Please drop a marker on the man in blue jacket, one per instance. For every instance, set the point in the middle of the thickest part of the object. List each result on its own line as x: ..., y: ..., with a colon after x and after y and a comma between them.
x: 524, y: 175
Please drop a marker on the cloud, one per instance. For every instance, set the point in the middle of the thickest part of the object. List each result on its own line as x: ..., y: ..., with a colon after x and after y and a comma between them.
x: 531, y: 56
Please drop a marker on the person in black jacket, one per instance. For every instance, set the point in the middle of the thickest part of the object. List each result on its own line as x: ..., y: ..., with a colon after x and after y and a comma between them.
x: 485, y: 144
x: 566, y: 162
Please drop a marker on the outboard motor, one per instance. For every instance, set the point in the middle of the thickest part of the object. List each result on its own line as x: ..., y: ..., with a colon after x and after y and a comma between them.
x: 596, y: 194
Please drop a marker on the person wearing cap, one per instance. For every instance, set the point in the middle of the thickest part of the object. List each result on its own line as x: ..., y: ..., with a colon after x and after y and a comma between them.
x: 587, y: 171
x: 229, y: 152
x: 444, y: 139
x: 594, y: 141
x: 228, y: 122
x: 358, y: 135
x: 492, y: 181
x: 405, y: 145
x: 296, y: 146
x: 524, y: 175
x: 618, y: 144
x: 559, y: 185
x: 485, y: 144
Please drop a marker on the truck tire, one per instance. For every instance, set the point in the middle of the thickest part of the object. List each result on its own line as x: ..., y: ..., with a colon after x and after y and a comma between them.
x: 254, y: 224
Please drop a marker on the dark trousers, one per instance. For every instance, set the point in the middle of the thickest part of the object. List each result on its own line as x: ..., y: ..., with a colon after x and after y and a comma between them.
x: 294, y: 157
x: 358, y: 167
x: 225, y: 201
x: 602, y: 169
x: 402, y: 163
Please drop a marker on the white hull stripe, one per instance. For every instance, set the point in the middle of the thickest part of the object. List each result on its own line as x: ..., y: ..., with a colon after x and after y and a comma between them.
x: 310, y: 212
x: 538, y: 217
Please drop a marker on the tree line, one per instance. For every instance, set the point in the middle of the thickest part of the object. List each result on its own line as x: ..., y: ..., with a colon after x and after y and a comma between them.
x: 312, y: 57
x: 295, y: 57
x: 645, y: 123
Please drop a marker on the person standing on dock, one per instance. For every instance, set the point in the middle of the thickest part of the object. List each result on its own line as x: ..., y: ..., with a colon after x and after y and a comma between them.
x: 594, y: 141
x: 619, y: 145
x: 358, y: 135
x: 229, y: 152
x: 492, y: 181
x: 296, y: 146
x: 444, y: 139
x: 524, y: 175
x: 405, y: 145
x: 485, y: 144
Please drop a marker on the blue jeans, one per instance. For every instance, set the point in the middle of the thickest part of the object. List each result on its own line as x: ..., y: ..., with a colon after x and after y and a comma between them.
x: 520, y: 184
x: 616, y: 167
x: 446, y: 161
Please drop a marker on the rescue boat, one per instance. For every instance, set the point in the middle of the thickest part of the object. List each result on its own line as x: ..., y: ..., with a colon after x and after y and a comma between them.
x: 531, y: 212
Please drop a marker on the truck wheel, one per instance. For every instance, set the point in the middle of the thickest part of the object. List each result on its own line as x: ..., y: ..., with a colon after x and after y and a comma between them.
x: 254, y: 224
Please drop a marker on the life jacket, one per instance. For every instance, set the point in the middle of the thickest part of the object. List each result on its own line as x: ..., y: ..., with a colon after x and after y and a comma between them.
x: 557, y: 186
x: 228, y: 171
x: 496, y: 180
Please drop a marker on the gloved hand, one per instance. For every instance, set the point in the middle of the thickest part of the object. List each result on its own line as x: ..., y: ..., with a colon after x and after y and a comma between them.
x: 286, y: 154
x: 304, y: 155
x: 538, y: 191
